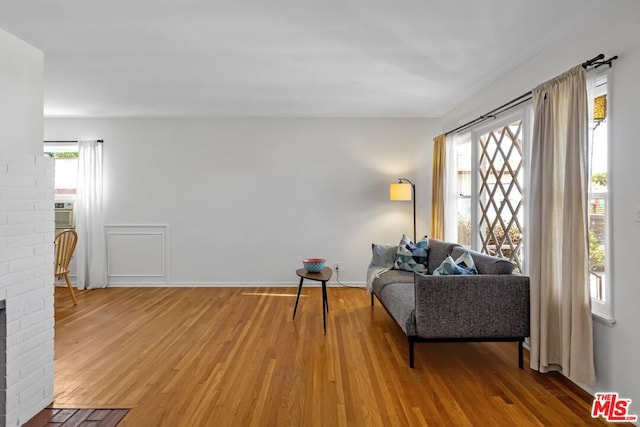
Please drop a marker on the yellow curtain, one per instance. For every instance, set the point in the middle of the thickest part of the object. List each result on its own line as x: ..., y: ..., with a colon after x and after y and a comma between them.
x: 437, y: 187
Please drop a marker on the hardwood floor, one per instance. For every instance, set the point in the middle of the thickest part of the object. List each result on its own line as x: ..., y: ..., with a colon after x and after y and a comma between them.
x: 234, y: 357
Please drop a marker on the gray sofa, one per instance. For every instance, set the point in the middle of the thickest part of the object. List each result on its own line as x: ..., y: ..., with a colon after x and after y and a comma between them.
x: 490, y: 306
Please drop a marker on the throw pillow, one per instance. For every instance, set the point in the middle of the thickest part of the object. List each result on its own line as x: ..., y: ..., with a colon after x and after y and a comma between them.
x: 462, y: 265
x: 412, y: 256
x: 383, y: 255
x: 486, y: 264
x: 465, y: 260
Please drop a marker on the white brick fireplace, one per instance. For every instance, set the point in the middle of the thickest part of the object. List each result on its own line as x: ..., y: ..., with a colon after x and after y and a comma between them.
x: 26, y: 237
x: 26, y: 285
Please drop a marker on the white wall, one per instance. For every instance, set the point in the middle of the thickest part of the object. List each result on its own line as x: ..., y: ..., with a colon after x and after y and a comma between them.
x: 245, y: 200
x: 616, y: 33
x: 21, y: 100
x: 26, y: 235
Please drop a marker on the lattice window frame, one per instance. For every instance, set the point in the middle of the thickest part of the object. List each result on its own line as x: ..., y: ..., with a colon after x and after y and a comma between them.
x: 490, y: 232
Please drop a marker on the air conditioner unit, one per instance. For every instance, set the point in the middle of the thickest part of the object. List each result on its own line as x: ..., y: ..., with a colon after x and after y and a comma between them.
x: 65, y: 217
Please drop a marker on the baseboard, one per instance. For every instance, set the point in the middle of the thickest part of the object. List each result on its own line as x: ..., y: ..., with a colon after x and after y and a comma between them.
x: 307, y: 283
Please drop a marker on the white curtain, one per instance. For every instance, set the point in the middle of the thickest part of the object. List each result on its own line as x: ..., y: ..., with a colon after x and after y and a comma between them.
x: 561, y: 324
x: 91, y: 254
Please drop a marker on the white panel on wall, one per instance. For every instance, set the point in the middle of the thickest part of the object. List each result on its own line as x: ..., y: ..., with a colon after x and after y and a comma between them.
x: 137, y: 254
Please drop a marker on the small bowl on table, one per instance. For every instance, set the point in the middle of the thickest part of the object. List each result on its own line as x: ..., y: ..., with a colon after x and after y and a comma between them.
x: 313, y: 265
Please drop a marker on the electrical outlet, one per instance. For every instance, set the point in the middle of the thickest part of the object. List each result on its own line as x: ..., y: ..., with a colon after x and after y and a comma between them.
x: 336, y: 265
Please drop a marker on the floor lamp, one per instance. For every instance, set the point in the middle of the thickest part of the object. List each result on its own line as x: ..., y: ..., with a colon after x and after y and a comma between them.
x: 405, y: 190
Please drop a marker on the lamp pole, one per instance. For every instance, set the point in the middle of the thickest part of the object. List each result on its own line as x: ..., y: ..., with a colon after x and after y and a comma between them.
x: 413, y: 198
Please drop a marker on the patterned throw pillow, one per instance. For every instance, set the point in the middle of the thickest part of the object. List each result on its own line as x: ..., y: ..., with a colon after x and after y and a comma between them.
x: 412, y: 256
x: 463, y: 265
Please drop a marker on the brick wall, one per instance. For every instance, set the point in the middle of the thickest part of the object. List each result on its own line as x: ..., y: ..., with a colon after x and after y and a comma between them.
x: 26, y: 283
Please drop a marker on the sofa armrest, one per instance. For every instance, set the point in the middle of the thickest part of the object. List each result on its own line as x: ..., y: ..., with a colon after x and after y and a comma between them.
x: 472, y: 306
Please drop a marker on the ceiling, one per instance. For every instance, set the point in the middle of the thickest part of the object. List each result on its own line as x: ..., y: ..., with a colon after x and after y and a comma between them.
x: 302, y: 58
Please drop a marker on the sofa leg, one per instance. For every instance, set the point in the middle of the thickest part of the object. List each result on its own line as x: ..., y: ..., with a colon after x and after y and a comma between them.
x: 371, y: 299
x: 520, y: 355
x: 411, y: 342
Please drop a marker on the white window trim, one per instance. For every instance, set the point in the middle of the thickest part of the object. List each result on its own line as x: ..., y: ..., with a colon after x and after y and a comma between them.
x: 452, y: 193
x: 603, y: 311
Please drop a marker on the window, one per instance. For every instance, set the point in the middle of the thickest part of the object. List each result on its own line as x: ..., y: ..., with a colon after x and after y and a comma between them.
x: 489, y: 190
x: 66, y: 170
x: 599, y: 196
x: 463, y: 192
x: 489, y: 179
x: 501, y: 192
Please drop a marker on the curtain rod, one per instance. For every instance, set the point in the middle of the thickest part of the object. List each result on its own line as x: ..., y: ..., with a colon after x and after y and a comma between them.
x: 595, y: 62
x: 99, y: 141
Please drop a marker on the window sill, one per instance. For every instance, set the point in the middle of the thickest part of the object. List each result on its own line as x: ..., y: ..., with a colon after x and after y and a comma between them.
x: 604, y: 319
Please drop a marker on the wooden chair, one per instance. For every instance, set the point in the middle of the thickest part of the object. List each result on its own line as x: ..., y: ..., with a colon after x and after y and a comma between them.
x: 65, y: 245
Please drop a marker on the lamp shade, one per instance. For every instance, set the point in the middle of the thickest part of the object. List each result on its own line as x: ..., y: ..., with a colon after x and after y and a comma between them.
x: 400, y: 191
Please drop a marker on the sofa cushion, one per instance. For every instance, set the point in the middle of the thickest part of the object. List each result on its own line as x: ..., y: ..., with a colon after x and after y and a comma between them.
x: 462, y: 265
x: 486, y: 264
x: 389, y: 277
x: 412, y: 256
x: 399, y: 300
x: 438, y: 252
